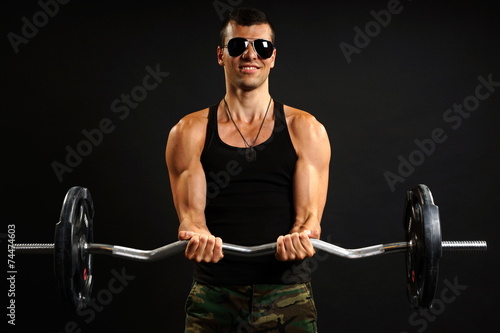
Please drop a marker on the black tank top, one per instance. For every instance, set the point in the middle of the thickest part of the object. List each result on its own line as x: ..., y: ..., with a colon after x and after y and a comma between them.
x: 249, y: 203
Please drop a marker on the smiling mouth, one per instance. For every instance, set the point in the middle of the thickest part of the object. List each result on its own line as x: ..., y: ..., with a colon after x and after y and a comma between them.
x: 249, y: 69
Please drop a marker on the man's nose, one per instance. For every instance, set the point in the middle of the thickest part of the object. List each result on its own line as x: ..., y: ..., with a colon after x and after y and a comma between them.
x: 250, y: 52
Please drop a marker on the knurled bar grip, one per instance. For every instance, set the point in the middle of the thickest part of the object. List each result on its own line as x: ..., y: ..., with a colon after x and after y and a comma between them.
x: 34, y: 248
x: 464, y: 246
x: 175, y: 248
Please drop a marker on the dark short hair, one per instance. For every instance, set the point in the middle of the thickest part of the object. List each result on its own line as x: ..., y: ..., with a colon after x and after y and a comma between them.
x: 245, y: 16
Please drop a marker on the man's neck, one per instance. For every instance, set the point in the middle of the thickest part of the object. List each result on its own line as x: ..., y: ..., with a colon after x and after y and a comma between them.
x: 247, y: 105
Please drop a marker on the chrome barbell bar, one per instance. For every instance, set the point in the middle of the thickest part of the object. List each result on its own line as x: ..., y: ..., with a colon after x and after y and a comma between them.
x: 178, y: 247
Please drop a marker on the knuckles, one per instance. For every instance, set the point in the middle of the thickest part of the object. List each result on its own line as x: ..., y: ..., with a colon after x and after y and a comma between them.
x: 204, y: 248
x: 294, y: 246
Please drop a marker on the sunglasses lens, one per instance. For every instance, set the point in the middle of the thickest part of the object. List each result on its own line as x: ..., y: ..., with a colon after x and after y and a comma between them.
x: 236, y: 46
x: 264, y: 48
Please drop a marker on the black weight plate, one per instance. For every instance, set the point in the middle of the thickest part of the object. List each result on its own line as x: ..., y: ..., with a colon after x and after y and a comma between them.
x: 433, y: 242
x: 423, y: 230
x: 72, y: 265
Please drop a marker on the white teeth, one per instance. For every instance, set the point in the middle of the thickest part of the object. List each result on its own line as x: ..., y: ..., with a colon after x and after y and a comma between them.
x: 249, y: 67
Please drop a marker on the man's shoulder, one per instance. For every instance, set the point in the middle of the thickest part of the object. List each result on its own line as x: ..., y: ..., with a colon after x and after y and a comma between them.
x: 291, y: 111
x: 195, y: 118
x: 190, y: 128
x: 305, y: 130
x: 192, y: 121
x: 297, y: 118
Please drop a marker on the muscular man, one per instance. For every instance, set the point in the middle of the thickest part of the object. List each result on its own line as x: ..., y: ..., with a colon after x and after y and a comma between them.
x: 249, y: 170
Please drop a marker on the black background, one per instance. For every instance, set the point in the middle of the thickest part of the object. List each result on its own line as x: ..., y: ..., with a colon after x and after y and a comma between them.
x: 393, y: 92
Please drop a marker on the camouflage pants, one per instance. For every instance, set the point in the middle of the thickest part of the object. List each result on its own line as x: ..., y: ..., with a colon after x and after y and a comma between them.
x: 258, y: 308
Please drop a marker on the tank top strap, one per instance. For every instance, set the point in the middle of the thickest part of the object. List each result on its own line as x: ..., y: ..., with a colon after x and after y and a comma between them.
x: 279, y: 112
x: 211, y: 125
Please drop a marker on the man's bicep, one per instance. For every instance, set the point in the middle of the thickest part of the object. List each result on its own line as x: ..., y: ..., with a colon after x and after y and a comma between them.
x: 187, y: 178
x: 312, y: 173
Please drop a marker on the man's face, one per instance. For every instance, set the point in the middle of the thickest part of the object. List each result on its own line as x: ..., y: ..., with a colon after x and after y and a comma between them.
x: 247, y: 71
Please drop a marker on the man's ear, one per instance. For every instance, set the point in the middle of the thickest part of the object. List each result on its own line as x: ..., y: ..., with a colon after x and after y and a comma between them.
x: 274, y: 58
x: 220, y: 55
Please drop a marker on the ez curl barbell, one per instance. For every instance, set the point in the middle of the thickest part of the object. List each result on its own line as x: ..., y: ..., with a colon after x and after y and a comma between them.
x: 73, y: 248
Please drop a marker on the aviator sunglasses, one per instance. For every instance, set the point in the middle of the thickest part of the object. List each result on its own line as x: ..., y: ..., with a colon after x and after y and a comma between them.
x: 236, y: 47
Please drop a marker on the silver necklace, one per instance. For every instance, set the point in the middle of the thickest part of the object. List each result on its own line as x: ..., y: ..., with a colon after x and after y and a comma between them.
x: 250, y: 153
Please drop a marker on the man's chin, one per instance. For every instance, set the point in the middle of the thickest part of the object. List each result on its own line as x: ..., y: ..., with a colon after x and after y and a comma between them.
x: 250, y: 84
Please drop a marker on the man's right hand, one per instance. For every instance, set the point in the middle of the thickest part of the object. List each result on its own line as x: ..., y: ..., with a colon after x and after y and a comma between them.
x: 202, y: 247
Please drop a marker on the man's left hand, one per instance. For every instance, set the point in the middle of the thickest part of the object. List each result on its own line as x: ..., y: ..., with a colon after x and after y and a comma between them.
x: 295, y: 246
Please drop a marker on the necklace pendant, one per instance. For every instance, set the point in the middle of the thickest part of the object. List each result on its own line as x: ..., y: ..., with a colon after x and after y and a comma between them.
x: 250, y: 154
